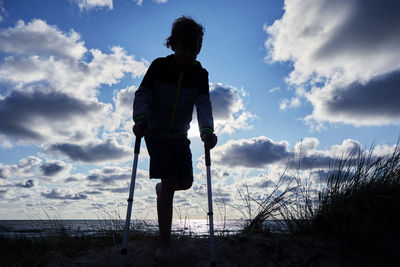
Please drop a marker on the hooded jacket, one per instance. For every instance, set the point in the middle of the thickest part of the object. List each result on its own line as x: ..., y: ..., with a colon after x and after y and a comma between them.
x: 167, y: 95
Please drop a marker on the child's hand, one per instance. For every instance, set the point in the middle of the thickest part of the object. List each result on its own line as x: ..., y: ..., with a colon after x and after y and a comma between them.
x: 140, y: 128
x: 209, y: 139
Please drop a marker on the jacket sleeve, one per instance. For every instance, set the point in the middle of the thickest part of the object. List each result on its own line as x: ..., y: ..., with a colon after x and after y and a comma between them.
x: 203, y: 106
x: 143, y: 96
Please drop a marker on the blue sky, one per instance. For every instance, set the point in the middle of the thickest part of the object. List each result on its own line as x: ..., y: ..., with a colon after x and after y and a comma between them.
x: 316, y: 77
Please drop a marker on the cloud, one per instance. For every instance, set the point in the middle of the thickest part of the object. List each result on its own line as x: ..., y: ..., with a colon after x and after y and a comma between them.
x: 346, y: 54
x: 258, y: 152
x: 72, y: 179
x: 56, y: 193
x: 229, y: 111
x: 91, y: 4
x: 223, y: 102
x: 37, y: 37
x: 289, y: 103
x: 262, y: 183
x: 116, y: 177
x: 306, y: 156
x: 35, y: 115
x: 52, y: 168
x: 4, y: 172
x: 275, y: 89
x: 93, y: 192
x: 25, y: 168
x: 103, y: 151
x: 78, y: 77
x: 362, y: 104
x: 123, y: 100
x: 3, y: 12
x: 3, y: 193
x: 44, y: 68
x: 252, y: 153
x: 109, y: 175
x: 140, y: 2
x: 28, y: 184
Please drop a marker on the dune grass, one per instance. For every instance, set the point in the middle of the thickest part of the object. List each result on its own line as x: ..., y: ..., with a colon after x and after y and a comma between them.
x: 361, y: 206
x: 358, y: 210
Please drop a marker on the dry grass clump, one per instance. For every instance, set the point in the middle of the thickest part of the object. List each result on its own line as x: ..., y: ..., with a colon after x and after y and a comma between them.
x: 361, y: 205
x: 358, y: 210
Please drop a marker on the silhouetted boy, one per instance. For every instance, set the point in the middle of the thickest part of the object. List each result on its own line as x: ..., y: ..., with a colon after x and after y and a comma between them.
x: 162, y: 112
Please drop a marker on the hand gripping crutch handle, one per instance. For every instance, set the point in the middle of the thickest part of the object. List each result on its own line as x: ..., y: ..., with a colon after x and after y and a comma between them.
x: 130, y: 199
x: 210, y: 208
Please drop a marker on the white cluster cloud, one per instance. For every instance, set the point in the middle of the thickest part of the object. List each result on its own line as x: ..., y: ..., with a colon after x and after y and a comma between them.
x: 259, y: 152
x: 24, y: 169
x: 92, y: 152
x: 3, y: 12
x: 39, y: 38
x: 114, y: 179
x: 109, y: 175
x: 123, y: 100
x: 55, y: 169
x: 140, y: 2
x: 37, y: 115
x: 39, y: 52
x: 346, y: 53
x: 53, y: 86
x: 90, y: 4
x: 57, y: 193
x: 229, y: 112
x: 251, y: 153
x: 27, y: 184
x: 32, y: 168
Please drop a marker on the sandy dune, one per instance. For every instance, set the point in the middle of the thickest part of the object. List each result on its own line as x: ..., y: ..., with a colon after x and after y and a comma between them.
x: 241, y: 250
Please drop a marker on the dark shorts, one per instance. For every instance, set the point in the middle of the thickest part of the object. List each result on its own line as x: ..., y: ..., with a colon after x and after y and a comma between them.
x: 169, y: 158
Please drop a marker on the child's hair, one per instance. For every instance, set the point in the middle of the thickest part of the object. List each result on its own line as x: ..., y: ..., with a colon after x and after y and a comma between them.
x: 185, y: 31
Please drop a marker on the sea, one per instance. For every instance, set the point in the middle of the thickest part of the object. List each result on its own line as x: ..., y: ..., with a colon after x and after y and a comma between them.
x: 42, y: 228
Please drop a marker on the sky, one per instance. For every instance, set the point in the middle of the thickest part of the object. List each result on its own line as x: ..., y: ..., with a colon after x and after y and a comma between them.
x: 293, y: 84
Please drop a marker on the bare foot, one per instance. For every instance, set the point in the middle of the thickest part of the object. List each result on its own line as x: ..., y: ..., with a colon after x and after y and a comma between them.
x: 163, y: 256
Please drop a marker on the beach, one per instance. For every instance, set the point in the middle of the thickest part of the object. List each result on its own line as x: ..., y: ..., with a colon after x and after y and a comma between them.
x: 239, y: 250
x: 243, y: 249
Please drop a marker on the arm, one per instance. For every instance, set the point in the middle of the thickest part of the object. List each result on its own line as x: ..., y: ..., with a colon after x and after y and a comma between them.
x: 142, y: 101
x: 143, y: 96
x: 203, y: 106
x: 204, y: 114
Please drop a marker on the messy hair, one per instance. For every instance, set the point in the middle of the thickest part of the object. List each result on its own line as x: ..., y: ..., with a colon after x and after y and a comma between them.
x: 185, y: 31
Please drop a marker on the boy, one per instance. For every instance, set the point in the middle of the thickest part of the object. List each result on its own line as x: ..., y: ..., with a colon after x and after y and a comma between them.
x: 162, y: 112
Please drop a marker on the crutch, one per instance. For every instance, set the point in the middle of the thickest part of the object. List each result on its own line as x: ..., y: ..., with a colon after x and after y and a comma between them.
x: 130, y: 200
x: 210, y: 207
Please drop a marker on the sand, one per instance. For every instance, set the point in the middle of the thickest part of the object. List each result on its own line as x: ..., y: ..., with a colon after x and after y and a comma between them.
x: 240, y: 250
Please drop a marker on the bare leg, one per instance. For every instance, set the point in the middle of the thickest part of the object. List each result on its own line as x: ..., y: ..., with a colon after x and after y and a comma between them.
x: 164, y: 210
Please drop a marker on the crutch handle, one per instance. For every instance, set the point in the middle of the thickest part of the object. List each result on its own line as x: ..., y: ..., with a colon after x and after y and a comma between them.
x: 137, y: 145
x: 207, y: 156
